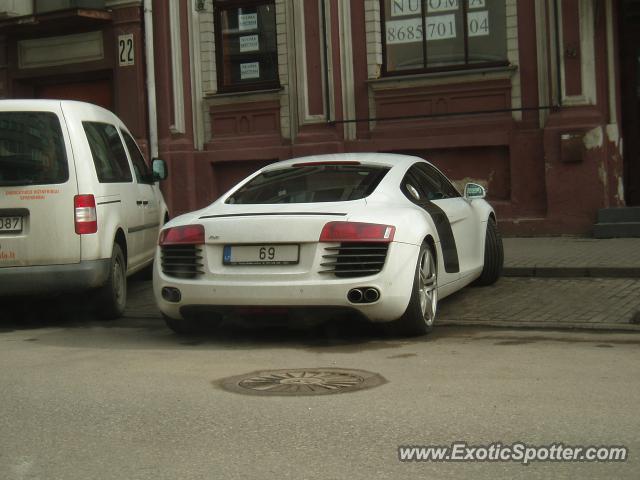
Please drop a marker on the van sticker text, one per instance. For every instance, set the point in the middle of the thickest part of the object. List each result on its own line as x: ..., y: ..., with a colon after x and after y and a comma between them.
x: 7, y: 256
x: 33, y: 193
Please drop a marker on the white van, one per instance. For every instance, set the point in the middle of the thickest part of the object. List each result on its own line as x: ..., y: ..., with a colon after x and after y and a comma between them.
x: 79, y: 207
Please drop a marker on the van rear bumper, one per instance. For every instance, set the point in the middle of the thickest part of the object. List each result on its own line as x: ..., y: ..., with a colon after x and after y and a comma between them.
x: 46, y: 279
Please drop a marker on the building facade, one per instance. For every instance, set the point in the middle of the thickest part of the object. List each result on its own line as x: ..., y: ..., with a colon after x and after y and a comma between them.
x: 530, y: 98
x: 70, y: 49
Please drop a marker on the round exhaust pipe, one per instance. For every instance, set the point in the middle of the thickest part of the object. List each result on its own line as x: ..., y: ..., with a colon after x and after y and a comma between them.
x: 355, y: 295
x: 371, y: 295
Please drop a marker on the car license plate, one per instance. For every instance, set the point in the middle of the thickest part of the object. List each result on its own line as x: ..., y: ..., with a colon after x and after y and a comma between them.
x: 261, y: 254
x: 10, y: 224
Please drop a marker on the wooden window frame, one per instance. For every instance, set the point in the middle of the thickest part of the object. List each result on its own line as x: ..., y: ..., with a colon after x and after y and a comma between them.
x: 445, y: 68
x: 220, y: 6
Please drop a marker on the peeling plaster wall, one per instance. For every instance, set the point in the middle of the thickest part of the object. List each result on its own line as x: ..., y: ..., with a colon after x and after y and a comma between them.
x: 593, y: 139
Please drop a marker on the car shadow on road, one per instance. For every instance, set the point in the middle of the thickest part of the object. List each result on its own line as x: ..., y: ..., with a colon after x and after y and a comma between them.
x: 346, y: 334
x: 34, y: 313
x: 72, y: 320
x: 69, y: 325
x: 60, y: 311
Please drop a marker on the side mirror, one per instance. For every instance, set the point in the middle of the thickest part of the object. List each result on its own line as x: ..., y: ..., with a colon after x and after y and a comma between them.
x: 159, y: 168
x: 473, y: 191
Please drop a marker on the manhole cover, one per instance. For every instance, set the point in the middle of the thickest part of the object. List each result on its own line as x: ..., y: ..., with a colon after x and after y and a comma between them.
x: 302, y: 381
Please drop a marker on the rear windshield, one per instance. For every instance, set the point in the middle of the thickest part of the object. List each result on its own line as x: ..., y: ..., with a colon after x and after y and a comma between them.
x: 311, y: 184
x: 31, y: 149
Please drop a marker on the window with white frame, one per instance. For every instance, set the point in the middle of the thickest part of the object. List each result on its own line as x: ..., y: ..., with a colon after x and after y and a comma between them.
x: 246, y: 45
x: 436, y: 35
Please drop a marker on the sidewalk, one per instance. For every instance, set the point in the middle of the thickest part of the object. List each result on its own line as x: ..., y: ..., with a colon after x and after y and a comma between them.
x: 572, y: 257
x: 534, y: 302
x: 569, y: 282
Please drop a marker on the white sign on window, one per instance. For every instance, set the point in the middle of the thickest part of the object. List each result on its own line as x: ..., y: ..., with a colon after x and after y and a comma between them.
x: 478, y: 23
x: 404, y: 31
x: 414, y: 7
x: 247, y: 21
x: 436, y: 6
x: 249, y: 70
x: 405, y: 7
x: 249, y: 43
x: 440, y: 27
x: 476, y: 3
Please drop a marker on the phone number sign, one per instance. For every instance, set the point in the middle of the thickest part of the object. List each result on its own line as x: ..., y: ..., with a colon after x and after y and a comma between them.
x: 438, y: 27
x: 411, y: 30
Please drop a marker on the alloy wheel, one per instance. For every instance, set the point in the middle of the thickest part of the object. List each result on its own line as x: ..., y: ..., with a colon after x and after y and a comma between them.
x: 428, y: 287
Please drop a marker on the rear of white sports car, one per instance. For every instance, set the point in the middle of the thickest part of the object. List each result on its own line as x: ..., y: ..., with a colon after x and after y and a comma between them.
x: 296, y: 238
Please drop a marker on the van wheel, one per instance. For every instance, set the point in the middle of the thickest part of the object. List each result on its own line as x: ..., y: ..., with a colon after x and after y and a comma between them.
x: 421, y: 312
x: 112, y: 296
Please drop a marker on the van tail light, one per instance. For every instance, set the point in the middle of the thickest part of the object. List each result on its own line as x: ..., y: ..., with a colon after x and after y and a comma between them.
x: 86, y: 217
x: 357, y: 232
x: 184, y: 235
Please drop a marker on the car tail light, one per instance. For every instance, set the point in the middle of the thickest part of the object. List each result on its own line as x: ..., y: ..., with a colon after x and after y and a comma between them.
x: 86, y: 217
x: 184, y: 235
x: 357, y: 232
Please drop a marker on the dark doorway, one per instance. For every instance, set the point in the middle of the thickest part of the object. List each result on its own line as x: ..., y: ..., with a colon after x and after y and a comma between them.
x: 630, y: 97
x: 98, y: 92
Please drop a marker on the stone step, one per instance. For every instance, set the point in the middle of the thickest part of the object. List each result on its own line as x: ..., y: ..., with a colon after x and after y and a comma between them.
x: 619, y: 214
x: 617, y: 229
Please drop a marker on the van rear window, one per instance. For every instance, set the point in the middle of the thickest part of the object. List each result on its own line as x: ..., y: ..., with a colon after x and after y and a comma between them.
x: 311, y: 184
x: 31, y: 149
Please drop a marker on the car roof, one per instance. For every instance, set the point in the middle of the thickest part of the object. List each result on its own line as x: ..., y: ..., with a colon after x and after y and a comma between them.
x: 380, y: 159
x: 73, y: 107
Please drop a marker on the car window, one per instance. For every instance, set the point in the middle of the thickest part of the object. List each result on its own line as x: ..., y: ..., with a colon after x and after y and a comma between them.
x: 434, y: 185
x: 140, y: 167
x: 108, y: 153
x: 32, y: 149
x: 311, y: 184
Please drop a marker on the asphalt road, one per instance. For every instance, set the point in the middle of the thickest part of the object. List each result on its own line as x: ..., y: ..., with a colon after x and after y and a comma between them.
x: 80, y: 399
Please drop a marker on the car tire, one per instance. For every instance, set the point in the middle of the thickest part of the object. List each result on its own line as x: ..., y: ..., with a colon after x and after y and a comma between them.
x: 186, y: 326
x: 112, y: 296
x: 420, y: 314
x: 493, y: 256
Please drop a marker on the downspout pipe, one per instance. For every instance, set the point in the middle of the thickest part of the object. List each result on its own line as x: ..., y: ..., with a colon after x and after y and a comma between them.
x: 327, y: 92
x: 556, y: 16
x: 151, y: 78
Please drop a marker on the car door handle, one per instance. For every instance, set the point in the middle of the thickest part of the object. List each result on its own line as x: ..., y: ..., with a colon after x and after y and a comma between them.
x: 145, y: 202
x: 138, y: 202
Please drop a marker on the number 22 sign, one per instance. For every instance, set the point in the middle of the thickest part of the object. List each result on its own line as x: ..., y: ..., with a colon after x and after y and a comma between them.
x: 126, y: 53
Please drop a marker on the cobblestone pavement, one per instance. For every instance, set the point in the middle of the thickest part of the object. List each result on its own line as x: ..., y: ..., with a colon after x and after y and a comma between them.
x: 594, y: 303
x: 572, y: 256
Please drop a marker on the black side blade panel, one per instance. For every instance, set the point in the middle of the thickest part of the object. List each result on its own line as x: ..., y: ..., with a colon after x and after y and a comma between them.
x: 447, y: 240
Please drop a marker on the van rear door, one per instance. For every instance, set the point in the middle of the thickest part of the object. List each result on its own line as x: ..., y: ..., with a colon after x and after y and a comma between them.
x: 37, y: 187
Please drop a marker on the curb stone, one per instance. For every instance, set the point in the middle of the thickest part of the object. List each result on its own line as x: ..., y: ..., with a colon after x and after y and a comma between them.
x: 569, y: 272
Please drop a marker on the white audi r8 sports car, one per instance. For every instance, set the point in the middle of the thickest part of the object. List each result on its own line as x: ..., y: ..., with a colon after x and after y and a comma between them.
x: 380, y: 235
